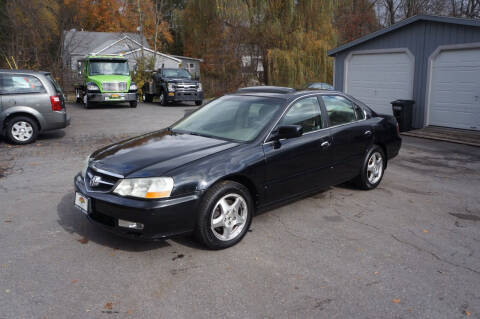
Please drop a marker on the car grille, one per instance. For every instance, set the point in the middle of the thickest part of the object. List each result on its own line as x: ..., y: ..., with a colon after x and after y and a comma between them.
x: 114, y: 86
x: 186, y: 87
x: 99, y: 182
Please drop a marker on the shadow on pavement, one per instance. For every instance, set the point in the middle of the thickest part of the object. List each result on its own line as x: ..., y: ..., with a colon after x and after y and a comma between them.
x: 75, y: 222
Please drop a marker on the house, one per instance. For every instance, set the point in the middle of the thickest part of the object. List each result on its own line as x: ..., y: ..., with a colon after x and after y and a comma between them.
x: 432, y: 60
x: 78, y: 44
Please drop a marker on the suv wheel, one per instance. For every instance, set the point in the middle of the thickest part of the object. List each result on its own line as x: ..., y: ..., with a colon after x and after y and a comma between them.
x: 22, y: 130
x: 225, y: 215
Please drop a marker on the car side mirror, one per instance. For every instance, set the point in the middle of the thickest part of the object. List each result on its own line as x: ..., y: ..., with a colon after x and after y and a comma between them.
x: 288, y: 131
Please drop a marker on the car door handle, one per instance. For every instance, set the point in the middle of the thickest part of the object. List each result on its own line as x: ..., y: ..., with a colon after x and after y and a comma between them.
x: 325, y: 144
x: 367, y: 132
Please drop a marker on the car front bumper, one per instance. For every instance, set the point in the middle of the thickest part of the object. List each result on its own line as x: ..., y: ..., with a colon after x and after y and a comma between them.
x: 161, y: 218
x: 179, y: 96
x: 112, y: 97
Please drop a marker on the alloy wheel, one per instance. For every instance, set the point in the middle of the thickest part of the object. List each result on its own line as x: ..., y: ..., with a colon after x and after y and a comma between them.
x: 229, y: 217
x: 374, y: 168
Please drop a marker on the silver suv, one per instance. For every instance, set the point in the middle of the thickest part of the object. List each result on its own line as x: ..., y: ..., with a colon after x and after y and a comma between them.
x: 30, y: 102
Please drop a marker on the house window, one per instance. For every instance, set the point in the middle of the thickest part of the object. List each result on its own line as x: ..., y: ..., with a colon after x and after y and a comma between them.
x: 191, y: 65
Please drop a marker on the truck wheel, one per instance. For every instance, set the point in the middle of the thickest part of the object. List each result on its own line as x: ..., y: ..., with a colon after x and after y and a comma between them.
x: 22, y: 130
x: 86, y: 104
x: 198, y: 103
x: 133, y: 104
x: 78, y: 97
x: 147, y: 98
x: 162, y: 98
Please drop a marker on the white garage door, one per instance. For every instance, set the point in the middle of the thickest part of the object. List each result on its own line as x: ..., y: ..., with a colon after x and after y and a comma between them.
x: 455, y: 89
x: 380, y: 78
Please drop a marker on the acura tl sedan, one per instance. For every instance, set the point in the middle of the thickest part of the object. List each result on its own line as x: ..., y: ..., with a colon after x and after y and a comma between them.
x: 210, y: 172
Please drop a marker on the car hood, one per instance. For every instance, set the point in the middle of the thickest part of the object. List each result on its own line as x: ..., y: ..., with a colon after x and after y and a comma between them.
x: 162, y: 149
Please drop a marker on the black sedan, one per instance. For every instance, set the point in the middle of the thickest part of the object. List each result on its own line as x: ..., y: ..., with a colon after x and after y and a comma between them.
x: 210, y: 172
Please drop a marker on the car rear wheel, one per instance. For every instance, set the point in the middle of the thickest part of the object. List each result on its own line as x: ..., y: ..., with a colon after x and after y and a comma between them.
x: 133, y: 104
x: 372, y: 169
x: 198, y: 103
x: 225, y: 215
x: 22, y: 130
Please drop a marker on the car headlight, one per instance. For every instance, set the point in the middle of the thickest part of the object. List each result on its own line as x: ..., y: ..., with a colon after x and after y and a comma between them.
x: 91, y: 86
x: 171, y: 87
x: 133, y: 87
x: 199, y: 88
x: 155, y: 187
x: 85, y: 166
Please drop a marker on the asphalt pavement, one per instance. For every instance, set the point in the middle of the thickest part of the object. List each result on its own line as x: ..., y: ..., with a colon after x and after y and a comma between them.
x: 408, y: 249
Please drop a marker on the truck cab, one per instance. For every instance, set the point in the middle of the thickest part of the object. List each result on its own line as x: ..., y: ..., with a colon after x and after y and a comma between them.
x: 105, y: 79
x: 172, y: 85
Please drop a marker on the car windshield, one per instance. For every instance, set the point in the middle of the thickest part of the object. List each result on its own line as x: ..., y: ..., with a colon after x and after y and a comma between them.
x: 109, y: 67
x: 176, y: 73
x: 239, y: 118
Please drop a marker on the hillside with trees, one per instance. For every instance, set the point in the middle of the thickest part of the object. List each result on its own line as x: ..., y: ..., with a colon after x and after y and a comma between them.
x: 288, y: 38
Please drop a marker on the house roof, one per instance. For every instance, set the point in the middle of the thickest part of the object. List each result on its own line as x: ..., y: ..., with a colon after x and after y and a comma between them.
x: 86, y: 42
x: 187, y: 58
x: 401, y: 24
x: 159, y: 53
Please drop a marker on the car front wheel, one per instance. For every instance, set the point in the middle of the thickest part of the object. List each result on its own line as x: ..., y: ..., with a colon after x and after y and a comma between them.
x: 225, y: 215
x: 372, y: 169
x: 22, y: 130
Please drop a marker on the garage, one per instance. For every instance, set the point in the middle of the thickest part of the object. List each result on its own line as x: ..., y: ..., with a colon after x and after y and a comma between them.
x: 455, y: 89
x: 432, y: 60
x: 379, y: 78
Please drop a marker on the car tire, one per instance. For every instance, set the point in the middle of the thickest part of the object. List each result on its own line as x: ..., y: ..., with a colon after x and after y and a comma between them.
x: 133, y: 104
x: 162, y: 99
x: 233, y: 222
x: 22, y: 130
x: 373, y: 168
x: 198, y: 103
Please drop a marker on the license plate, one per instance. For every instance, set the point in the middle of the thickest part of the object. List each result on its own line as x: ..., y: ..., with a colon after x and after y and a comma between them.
x: 114, y: 97
x: 81, y: 202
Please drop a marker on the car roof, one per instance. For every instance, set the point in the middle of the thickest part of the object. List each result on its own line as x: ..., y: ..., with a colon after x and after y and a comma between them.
x: 24, y: 71
x: 287, y: 95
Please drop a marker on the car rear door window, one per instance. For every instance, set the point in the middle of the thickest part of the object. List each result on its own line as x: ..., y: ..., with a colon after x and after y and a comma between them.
x: 306, y: 113
x: 20, y: 83
x: 339, y: 109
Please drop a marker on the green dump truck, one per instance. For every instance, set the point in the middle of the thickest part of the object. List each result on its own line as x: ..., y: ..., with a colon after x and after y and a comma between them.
x: 105, y: 79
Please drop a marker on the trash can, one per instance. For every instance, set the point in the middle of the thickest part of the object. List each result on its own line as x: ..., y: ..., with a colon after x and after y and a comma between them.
x: 403, y: 112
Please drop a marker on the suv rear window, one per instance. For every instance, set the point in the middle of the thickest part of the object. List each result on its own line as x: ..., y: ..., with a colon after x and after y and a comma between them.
x: 20, y: 83
x: 57, y: 87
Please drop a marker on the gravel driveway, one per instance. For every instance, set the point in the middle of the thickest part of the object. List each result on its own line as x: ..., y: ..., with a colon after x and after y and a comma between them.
x: 409, y: 249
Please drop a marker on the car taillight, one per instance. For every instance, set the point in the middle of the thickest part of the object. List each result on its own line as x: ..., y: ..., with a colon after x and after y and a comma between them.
x: 56, y: 103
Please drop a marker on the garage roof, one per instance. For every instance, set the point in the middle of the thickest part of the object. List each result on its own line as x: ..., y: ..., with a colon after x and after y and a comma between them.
x: 451, y: 20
